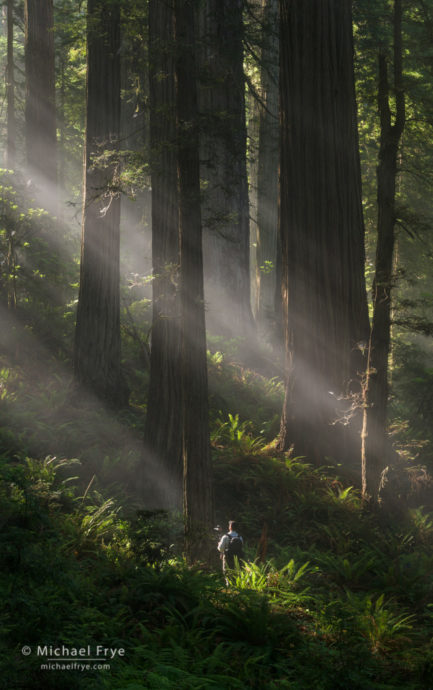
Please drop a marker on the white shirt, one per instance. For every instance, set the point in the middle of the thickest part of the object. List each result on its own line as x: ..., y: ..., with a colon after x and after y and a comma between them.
x: 224, y: 541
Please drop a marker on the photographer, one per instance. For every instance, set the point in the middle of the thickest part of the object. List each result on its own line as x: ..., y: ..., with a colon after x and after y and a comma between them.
x: 230, y: 547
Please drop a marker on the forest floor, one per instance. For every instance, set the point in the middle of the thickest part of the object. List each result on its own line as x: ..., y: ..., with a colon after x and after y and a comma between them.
x: 332, y: 595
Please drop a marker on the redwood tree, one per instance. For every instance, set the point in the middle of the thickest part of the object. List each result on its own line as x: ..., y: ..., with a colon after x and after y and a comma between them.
x: 375, y: 452
x: 40, y: 108
x: 321, y: 228
x: 198, y: 508
x: 97, y: 335
x: 10, y: 88
x: 224, y: 171
x: 267, y: 178
x: 164, y: 422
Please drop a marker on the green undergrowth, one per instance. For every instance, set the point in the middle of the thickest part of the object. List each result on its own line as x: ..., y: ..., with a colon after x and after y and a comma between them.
x: 331, y: 594
x: 239, y: 392
x: 329, y: 597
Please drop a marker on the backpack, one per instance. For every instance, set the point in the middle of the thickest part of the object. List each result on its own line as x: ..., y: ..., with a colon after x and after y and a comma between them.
x: 234, y: 548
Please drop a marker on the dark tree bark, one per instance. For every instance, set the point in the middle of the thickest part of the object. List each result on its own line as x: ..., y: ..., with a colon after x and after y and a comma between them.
x: 267, y: 180
x: 97, y: 335
x: 40, y: 109
x: 321, y: 229
x: 10, y: 88
x: 135, y: 127
x: 224, y: 171
x: 375, y: 450
x: 252, y: 105
x: 11, y: 257
x: 163, y: 422
x: 62, y: 126
x: 198, y: 508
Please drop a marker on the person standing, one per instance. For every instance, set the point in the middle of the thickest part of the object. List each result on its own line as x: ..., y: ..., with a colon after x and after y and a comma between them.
x: 230, y: 547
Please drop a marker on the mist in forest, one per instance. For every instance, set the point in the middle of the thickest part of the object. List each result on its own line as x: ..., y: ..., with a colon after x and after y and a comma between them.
x: 51, y: 383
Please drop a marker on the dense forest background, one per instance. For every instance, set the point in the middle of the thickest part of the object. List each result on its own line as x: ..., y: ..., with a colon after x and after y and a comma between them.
x: 216, y: 260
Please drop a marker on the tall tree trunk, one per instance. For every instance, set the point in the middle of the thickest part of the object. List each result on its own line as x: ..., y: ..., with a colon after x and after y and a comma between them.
x: 163, y: 422
x: 11, y: 258
x: 97, y: 335
x: 321, y: 229
x: 40, y: 109
x: 135, y: 127
x: 198, y: 508
x: 253, y: 116
x: 224, y: 171
x: 267, y: 182
x: 375, y: 450
x: 62, y: 126
x: 10, y: 88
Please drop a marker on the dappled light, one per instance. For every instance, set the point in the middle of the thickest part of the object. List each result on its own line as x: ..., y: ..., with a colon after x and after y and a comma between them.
x: 44, y: 408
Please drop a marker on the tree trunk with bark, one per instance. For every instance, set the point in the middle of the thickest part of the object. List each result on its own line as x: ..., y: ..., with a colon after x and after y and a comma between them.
x: 163, y: 422
x: 267, y: 181
x: 375, y: 447
x: 97, y: 335
x: 253, y: 109
x: 10, y: 89
x: 321, y: 231
x: 198, y: 507
x: 62, y: 125
x: 40, y: 108
x: 224, y: 170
